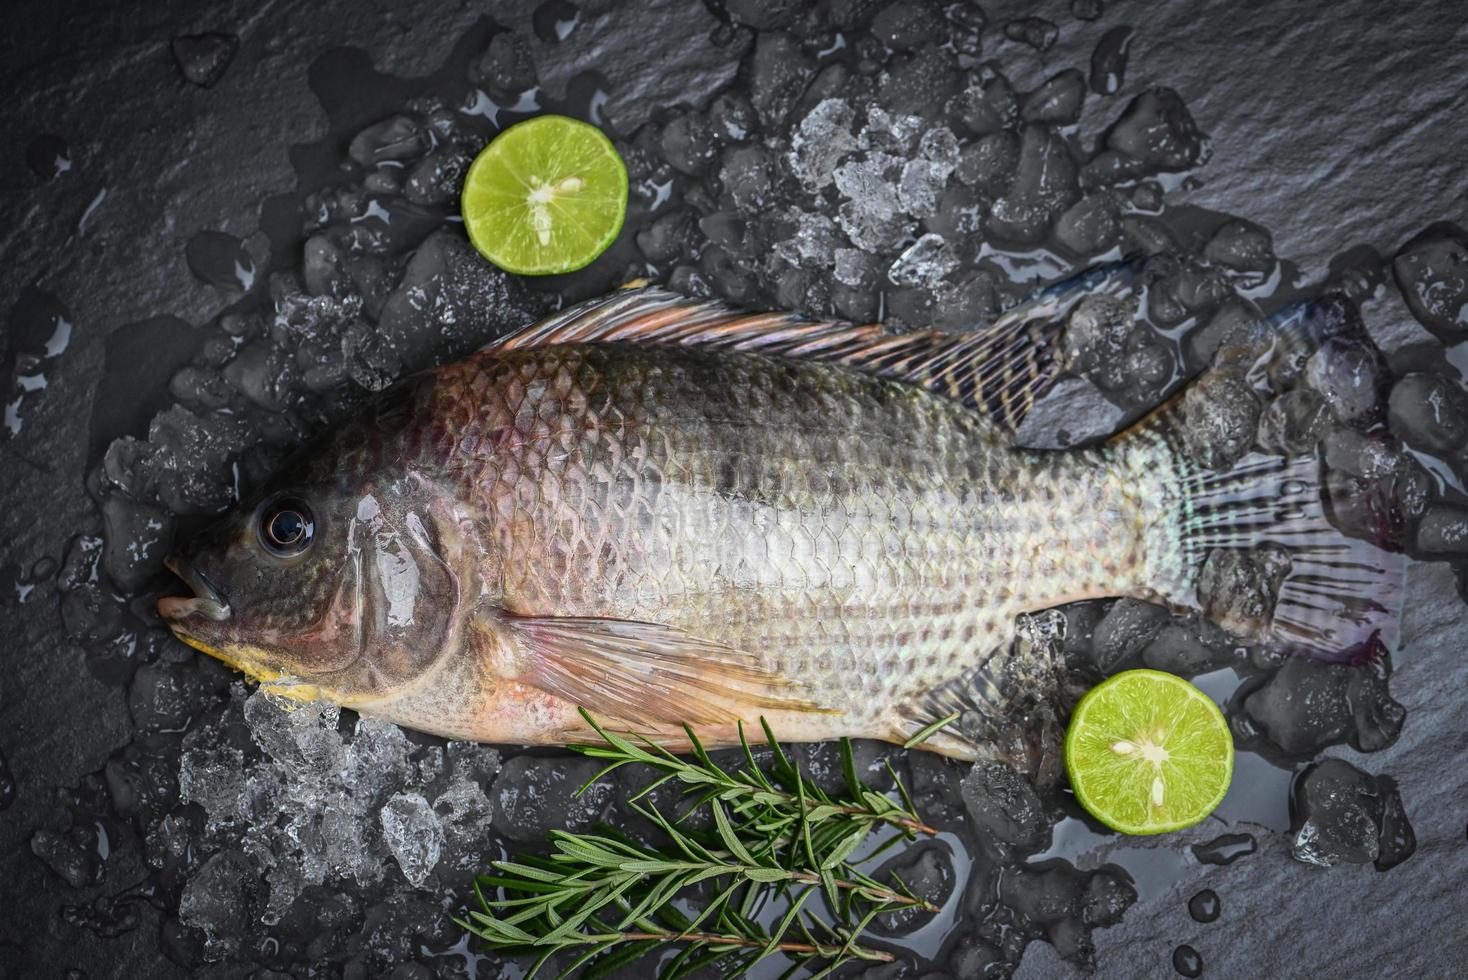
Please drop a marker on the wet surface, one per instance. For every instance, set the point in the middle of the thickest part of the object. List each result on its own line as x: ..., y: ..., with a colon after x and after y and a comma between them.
x: 257, y: 233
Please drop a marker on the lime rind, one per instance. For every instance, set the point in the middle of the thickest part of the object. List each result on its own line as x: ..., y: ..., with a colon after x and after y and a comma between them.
x: 1137, y: 708
x: 547, y: 196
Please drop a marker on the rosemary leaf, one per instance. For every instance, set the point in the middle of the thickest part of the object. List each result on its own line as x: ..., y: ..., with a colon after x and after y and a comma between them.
x: 928, y: 731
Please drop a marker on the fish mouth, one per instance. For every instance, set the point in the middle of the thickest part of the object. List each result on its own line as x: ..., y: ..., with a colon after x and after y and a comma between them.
x: 207, y: 601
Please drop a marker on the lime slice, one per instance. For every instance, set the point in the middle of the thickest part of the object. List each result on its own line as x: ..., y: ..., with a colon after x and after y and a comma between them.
x: 548, y: 195
x: 1147, y: 752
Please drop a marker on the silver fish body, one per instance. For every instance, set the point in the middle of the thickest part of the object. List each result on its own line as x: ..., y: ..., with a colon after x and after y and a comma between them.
x: 668, y: 513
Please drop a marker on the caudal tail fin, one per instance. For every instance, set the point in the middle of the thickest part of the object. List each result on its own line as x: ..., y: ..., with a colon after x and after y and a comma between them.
x: 1269, y: 565
x: 1248, y: 541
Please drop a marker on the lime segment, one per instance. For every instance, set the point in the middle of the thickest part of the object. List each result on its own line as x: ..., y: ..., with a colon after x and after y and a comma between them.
x: 547, y: 195
x: 1147, y: 752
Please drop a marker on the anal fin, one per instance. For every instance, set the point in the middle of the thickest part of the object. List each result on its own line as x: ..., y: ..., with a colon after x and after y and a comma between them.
x: 1008, y: 704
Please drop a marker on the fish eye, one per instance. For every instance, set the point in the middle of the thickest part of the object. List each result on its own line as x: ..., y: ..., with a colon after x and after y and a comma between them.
x: 286, y: 527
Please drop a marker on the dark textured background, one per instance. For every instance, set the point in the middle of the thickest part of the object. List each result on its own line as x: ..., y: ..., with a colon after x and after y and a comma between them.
x: 1333, y: 124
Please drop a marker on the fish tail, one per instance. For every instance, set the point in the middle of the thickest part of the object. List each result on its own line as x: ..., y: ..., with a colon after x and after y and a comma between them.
x: 1268, y: 564
x: 1247, y: 539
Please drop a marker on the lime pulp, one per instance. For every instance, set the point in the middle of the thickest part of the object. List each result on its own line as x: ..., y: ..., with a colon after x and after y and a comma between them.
x: 1148, y: 753
x: 546, y: 196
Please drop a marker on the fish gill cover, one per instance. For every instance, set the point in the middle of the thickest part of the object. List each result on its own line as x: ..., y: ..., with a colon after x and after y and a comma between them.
x: 922, y: 164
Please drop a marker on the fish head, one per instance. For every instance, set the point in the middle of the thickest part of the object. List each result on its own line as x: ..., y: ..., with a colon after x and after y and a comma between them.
x: 324, y: 587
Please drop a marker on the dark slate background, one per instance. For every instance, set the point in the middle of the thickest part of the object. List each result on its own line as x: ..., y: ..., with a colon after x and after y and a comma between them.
x: 1333, y: 124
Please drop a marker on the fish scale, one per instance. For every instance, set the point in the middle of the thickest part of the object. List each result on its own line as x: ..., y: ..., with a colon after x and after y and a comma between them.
x: 850, y: 532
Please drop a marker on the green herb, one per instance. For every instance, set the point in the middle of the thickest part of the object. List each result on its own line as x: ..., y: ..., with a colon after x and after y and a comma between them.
x: 927, y: 732
x: 776, y: 836
x: 779, y: 799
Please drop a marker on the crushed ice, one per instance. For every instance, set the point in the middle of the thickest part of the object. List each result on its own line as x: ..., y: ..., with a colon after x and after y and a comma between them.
x: 318, y: 805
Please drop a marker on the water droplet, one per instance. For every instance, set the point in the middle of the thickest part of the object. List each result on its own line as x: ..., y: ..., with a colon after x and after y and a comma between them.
x: 203, y: 58
x: 40, y: 328
x: 586, y: 97
x: 1086, y: 9
x: 1204, y: 906
x: 139, y: 360
x: 7, y: 784
x: 1225, y: 849
x: 1108, y: 61
x: 554, y: 20
x: 1186, y: 961
x: 39, y: 324
x: 220, y: 260
x: 48, y: 156
x: 86, y: 218
x: 11, y: 584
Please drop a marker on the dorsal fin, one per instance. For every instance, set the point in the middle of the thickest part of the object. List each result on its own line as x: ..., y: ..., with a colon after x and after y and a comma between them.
x: 999, y: 369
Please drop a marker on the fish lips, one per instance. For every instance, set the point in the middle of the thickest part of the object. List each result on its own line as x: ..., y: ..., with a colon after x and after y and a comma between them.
x: 207, y: 601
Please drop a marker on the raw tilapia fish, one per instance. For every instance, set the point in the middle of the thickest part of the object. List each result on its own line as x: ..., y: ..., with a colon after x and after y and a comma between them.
x: 670, y: 512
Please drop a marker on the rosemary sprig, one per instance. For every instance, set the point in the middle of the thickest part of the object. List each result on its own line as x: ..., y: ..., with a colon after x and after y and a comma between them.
x: 784, y: 792
x: 594, y: 889
x: 605, y: 899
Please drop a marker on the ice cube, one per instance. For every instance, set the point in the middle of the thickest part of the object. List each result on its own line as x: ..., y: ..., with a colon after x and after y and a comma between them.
x: 203, y: 58
x: 939, y: 146
x: 924, y: 263
x: 301, y: 737
x: 926, y: 872
x: 211, y: 774
x: 920, y: 184
x: 473, y: 760
x: 1339, y: 815
x: 413, y: 834
x: 1430, y: 272
x: 853, y: 267
x: 1220, y: 417
x: 814, y: 242
x: 821, y: 141
x: 1429, y: 413
x: 871, y: 214
x: 1037, y: 32
x: 465, y: 812
x: 1307, y: 706
x: 1003, y: 805
x: 886, y: 130
x: 1158, y: 130
x: 218, y: 900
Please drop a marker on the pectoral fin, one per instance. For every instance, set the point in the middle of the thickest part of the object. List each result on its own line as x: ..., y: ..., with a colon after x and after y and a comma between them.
x: 646, y: 672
